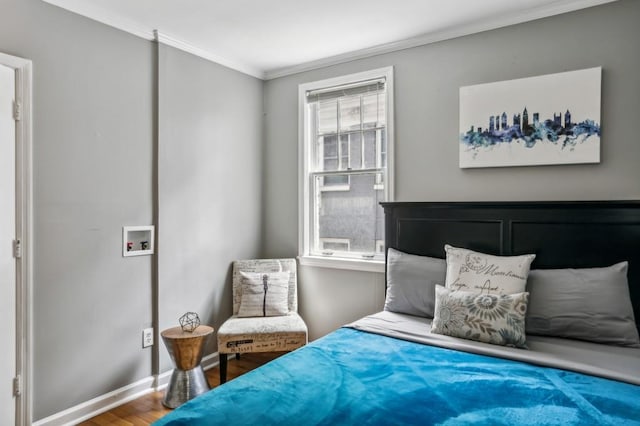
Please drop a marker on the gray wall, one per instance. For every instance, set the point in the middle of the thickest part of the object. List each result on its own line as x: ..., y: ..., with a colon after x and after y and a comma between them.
x: 92, y: 165
x: 427, y: 81
x: 94, y: 171
x: 210, y: 147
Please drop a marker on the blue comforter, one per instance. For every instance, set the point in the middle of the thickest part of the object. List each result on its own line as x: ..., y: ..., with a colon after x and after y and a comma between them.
x: 351, y: 377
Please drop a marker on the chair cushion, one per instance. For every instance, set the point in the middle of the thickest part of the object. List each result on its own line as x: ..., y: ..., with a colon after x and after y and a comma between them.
x: 262, y: 334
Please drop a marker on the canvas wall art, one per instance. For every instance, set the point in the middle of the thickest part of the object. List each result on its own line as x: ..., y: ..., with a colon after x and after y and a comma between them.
x: 549, y: 119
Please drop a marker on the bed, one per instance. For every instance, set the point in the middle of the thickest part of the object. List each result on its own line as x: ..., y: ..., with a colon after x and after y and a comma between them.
x: 397, y: 367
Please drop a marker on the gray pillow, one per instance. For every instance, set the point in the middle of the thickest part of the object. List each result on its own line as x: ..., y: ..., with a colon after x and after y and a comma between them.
x: 411, y: 283
x: 590, y: 304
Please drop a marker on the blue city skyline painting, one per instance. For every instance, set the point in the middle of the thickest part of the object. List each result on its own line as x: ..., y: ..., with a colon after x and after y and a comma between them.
x: 550, y: 119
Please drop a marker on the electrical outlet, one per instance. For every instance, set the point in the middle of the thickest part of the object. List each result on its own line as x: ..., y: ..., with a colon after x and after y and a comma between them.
x: 147, y: 337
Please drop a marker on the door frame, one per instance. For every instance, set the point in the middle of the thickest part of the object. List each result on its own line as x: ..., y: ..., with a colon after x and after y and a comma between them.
x: 24, y: 233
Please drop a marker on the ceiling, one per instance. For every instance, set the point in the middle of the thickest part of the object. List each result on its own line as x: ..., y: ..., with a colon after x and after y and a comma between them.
x: 271, y: 38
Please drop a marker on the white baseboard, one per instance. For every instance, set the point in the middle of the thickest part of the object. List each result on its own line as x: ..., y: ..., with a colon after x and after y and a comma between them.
x: 210, y: 361
x: 108, y: 401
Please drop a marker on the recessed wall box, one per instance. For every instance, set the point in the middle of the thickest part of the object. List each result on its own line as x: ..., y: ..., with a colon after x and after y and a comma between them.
x: 137, y: 240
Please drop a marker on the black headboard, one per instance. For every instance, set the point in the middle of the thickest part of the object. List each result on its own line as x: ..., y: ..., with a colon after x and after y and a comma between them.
x: 561, y: 234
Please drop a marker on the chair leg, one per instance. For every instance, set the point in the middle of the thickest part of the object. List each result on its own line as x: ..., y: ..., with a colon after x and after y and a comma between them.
x: 223, y: 368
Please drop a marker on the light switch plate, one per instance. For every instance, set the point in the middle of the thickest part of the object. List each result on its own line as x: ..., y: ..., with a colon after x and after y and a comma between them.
x: 147, y: 337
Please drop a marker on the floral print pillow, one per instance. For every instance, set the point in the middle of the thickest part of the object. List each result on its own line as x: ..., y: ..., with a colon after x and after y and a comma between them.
x: 490, y: 318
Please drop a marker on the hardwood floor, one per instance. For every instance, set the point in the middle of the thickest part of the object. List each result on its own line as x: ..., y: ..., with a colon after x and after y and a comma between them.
x: 149, y: 408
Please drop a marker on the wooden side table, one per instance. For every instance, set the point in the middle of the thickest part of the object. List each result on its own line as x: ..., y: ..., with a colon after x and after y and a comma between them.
x: 188, y: 379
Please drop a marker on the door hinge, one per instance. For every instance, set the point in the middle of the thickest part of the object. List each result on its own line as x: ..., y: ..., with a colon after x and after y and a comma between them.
x: 17, y: 386
x: 17, y: 111
x: 17, y: 249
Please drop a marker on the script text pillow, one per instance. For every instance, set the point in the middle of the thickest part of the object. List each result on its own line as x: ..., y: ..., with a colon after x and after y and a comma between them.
x: 264, y: 294
x: 469, y: 270
x: 411, y: 282
x: 590, y: 304
x: 490, y: 318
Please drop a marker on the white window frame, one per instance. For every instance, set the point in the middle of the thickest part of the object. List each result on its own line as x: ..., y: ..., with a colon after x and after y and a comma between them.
x: 344, y: 241
x: 305, y: 156
x: 379, y: 186
x: 346, y: 186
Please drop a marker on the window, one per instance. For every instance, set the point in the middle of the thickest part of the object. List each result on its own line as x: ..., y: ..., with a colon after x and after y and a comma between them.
x: 346, y: 150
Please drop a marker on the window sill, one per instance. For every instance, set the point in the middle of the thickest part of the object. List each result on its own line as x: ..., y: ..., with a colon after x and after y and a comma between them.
x: 343, y: 263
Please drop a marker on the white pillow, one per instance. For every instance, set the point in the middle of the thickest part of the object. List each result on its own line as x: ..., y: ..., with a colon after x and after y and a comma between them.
x: 489, y: 318
x: 264, y: 294
x: 469, y: 270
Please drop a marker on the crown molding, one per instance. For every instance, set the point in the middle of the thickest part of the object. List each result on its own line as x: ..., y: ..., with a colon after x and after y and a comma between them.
x: 205, y: 54
x: 88, y: 9
x: 434, y: 37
